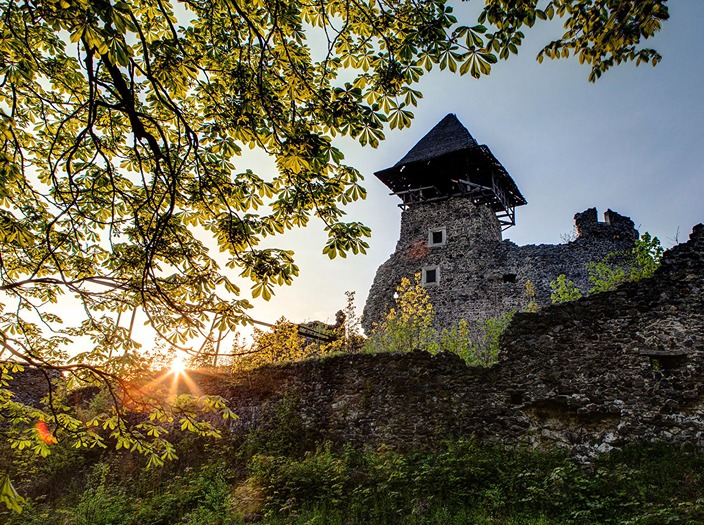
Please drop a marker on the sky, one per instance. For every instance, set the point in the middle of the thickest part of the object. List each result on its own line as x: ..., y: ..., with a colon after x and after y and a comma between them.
x: 632, y: 142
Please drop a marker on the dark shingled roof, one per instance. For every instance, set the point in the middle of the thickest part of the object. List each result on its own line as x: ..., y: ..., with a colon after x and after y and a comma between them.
x: 448, y: 136
x: 448, y: 161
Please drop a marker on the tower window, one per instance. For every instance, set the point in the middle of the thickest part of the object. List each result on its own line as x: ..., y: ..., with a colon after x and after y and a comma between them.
x: 431, y: 275
x: 437, y: 236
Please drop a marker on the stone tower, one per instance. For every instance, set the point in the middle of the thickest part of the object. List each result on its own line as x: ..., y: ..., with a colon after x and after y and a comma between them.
x: 456, y: 199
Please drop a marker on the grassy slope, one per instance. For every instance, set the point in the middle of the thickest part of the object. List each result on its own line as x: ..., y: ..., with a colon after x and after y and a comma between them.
x: 280, y: 475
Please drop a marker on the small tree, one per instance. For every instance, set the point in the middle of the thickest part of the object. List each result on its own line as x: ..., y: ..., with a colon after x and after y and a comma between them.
x: 622, y: 267
x: 564, y: 290
x: 279, y: 345
x: 647, y: 254
x: 348, y: 326
x: 532, y: 305
x: 409, y: 325
x: 613, y: 270
x: 488, y: 340
x: 477, y: 345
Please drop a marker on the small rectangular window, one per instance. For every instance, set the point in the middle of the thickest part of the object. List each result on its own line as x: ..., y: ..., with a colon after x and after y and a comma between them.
x: 431, y: 275
x: 437, y: 237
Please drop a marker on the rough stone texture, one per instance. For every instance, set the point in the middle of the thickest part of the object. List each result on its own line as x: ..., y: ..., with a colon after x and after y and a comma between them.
x: 480, y: 275
x: 31, y: 385
x: 617, y: 367
x: 622, y: 366
x: 614, y: 368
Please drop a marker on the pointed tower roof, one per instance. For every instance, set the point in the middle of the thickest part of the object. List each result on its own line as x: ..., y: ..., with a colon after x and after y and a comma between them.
x: 448, y: 136
x: 448, y: 162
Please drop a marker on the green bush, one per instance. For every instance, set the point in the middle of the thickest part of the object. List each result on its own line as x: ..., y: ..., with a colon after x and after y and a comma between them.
x: 456, y: 482
x: 613, y: 270
x: 482, y: 484
x: 409, y: 326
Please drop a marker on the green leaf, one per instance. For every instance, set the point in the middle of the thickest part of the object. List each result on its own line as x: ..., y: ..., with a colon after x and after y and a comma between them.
x: 9, y: 496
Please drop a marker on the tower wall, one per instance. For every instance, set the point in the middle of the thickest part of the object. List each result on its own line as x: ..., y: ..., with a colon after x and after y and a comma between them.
x: 477, y: 274
x: 465, y: 223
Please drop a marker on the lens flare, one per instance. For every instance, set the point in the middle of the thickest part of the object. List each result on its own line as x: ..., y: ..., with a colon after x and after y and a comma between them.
x: 44, y: 433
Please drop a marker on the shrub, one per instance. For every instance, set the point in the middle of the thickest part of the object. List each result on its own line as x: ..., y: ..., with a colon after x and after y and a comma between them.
x: 564, y: 290
x: 613, y: 270
x: 279, y: 345
x: 409, y: 326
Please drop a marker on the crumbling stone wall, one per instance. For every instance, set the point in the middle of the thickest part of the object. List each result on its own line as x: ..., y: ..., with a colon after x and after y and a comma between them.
x: 480, y: 275
x: 619, y: 366
x: 613, y: 368
x: 606, y: 370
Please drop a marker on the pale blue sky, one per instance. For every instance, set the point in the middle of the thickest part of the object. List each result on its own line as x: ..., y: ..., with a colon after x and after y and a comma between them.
x: 632, y: 142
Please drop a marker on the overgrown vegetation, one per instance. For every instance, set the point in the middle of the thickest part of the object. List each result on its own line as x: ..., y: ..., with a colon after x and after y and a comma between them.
x: 409, y: 326
x: 613, y: 270
x: 277, y: 475
x: 285, y: 342
x: 464, y: 482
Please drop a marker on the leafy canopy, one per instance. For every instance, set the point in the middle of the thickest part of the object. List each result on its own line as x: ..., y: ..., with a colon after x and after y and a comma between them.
x: 123, y: 126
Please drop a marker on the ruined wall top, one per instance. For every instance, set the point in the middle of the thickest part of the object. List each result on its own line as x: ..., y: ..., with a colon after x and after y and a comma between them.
x: 615, y: 368
x: 610, y: 369
x: 476, y: 275
x: 615, y: 226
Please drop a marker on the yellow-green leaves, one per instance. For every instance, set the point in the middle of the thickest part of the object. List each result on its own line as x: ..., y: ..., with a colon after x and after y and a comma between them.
x: 345, y: 237
x: 400, y: 118
x: 268, y: 268
x: 564, y: 290
x: 279, y: 345
x: 408, y: 326
x: 8, y: 494
x: 605, y: 33
x: 263, y: 289
x: 94, y: 38
x: 478, y: 64
x: 615, y: 269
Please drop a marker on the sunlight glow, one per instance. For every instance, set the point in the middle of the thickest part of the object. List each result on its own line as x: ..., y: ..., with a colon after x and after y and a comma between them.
x: 178, y: 365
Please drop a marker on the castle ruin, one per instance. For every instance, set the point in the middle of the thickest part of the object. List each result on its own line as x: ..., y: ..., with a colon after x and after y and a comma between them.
x: 457, y: 199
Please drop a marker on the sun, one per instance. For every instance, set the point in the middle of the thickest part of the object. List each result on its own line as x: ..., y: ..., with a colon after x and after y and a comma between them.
x: 178, y: 365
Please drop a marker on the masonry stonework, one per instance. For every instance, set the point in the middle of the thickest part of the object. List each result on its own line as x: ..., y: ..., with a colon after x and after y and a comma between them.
x: 481, y: 276
x: 610, y: 369
x: 457, y: 199
x: 614, y: 368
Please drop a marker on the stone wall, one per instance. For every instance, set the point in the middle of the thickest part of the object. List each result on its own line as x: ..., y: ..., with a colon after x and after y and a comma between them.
x: 31, y: 385
x: 617, y: 367
x: 480, y: 275
x: 596, y: 373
